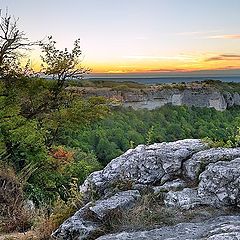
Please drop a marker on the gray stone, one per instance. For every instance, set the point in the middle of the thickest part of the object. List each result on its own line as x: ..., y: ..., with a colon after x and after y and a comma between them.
x: 87, y: 222
x: 225, y: 227
x: 197, y: 163
x: 122, y: 200
x: 162, y: 164
x: 185, y: 199
x: 175, y: 185
x: 29, y: 206
x: 220, y: 184
x: 78, y: 226
x: 236, y: 97
x: 144, y: 165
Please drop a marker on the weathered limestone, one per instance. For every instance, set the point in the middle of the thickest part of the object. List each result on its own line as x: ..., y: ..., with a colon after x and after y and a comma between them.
x: 155, y: 97
x: 220, y: 184
x: 144, y: 165
x: 185, y: 199
x: 197, y: 163
x: 187, y: 173
x: 221, y: 228
x: 87, y: 222
x: 121, y: 200
x: 175, y: 185
x: 78, y: 226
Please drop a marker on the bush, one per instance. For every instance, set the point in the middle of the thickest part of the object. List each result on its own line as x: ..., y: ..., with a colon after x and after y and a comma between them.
x: 49, y: 220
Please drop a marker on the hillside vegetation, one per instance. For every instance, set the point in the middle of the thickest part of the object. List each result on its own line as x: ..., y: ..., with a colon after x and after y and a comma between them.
x: 126, y: 128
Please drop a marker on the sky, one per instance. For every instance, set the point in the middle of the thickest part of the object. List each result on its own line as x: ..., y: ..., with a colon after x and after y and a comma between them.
x: 138, y: 36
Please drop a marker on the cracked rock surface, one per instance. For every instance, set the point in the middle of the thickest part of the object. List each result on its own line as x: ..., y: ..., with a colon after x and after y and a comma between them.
x: 86, y: 223
x: 197, y: 163
x: 220, y: 184
x: 186, y: 174
x: 227, y: 228
x: 145, y: 164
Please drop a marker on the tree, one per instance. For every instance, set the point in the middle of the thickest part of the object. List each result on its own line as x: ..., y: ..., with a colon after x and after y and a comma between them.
x: 62, y: 65
x: 34, y: 111
x: 12, y: 40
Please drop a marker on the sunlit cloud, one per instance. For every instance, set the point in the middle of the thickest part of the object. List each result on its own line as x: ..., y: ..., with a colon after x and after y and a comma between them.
x: 224, y: 57
x: 166, y: 70
x: 144, y: 57
x: 226, y: 36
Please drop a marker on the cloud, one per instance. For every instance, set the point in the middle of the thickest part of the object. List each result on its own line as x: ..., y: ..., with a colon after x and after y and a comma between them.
x: 224, y: 57
x: 226, y: 36
x: 144, y: 57
x: 166, y: 70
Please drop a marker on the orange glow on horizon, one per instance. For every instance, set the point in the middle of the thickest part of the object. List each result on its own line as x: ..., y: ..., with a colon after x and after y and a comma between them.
x: 148, y: 64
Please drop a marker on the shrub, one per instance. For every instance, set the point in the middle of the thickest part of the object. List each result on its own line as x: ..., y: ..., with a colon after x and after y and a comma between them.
x: 49, y: 220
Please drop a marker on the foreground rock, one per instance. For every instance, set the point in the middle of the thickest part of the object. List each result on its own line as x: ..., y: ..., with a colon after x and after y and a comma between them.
x: 220, y: 184
x: 197, y: 163
x: 221, y: 228
x: 144, y: 165
x: 174, y: 185
x: 183, y: 175
x: 186, y: 199
x: 121, y: 200
x: 87, y: 222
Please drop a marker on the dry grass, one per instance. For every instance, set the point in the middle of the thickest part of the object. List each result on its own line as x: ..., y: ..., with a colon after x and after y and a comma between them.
x: 16, y: 218
x: 47, y: 223
x: 151, y: 213
x: 13, y: 215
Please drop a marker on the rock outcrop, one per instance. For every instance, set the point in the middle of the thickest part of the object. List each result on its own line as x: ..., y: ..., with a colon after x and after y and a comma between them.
x: 221, y: 228
x: 87, y: 222
x: 187, y: 174
x: 147, y: 165
x: 197, y: 163
x: 220, y: 184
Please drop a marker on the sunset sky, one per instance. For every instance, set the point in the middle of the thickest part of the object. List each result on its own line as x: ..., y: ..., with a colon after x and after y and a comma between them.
x: 138, y: 36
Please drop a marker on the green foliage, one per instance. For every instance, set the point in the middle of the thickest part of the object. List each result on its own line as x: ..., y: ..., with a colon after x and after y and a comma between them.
x: 62, y: 64
x: 150, y: 136
x: 126, y: 128
x: 54, y: 177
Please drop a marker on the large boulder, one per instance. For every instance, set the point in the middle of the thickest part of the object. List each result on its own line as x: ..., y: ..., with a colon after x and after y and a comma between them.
x: 87, y: 223
x: 197, y: 163
x: 121, y: 200
x: 220, y: 228
x: 183, y: 174
x: 79, y: 226
x: 152, y: 164
x: 220, y: 184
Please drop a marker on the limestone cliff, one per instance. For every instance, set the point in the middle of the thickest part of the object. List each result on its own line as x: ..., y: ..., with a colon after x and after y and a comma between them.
x: 156, y: 96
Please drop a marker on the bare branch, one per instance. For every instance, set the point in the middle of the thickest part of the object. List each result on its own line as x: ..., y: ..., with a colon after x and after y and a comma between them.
x: 12, y: 41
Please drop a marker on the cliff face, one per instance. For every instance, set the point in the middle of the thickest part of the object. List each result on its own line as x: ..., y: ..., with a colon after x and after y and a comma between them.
x: 154, y: 97
x: 188, y: 97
